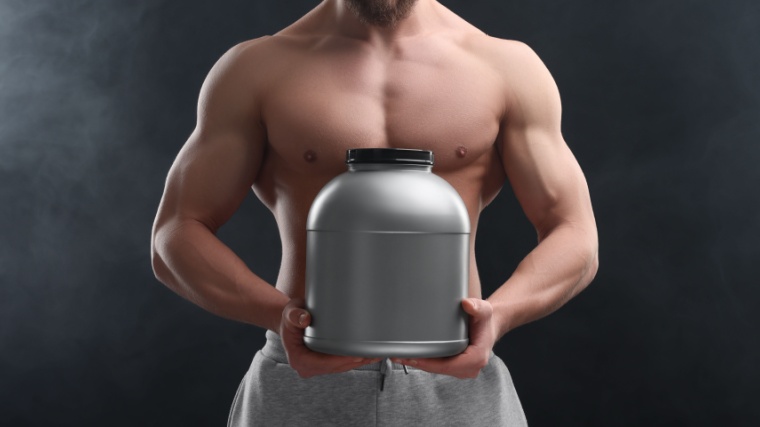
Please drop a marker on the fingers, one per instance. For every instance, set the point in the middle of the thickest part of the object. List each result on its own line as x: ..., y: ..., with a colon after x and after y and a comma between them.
x: 347, y: 363
x: 308, y: 363
x: 463, y: 366
x: 475, y: 357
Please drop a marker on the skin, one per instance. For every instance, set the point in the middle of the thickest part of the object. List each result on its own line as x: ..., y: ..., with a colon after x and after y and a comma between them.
x: 276, y: 115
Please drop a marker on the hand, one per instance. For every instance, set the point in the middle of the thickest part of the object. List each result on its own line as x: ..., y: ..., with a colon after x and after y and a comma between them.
x: 475, y: 357
x: 305, y: 362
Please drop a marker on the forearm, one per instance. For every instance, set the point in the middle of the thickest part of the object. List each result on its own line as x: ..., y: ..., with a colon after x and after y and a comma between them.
x: 190, y: 260
x: 556, y: 270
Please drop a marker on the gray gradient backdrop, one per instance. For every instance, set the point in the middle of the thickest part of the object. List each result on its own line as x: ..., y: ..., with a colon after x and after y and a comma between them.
x: 661, y: 108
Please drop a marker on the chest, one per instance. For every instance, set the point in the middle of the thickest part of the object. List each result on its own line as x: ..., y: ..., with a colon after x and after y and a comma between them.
x: 324, y: 104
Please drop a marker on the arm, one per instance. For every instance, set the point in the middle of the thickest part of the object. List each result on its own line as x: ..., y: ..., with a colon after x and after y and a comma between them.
x: 208, y: 181
x: 552, y: 190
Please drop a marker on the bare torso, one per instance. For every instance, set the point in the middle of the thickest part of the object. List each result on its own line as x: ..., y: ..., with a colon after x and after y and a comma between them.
x: 323, y: 94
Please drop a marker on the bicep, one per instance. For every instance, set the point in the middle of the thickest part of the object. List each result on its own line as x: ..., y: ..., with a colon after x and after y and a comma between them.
x: 547, y: 181
x: 216, y: 167
x: 544, y: 174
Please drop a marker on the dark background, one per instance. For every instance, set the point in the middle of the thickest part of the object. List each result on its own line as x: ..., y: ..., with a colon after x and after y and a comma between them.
x: 661, y: 108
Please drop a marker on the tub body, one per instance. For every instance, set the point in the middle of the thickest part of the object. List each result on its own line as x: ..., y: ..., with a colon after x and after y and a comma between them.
x: 387, y: 260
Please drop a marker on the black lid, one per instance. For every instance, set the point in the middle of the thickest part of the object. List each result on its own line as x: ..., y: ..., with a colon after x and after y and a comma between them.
x: 389, y: 155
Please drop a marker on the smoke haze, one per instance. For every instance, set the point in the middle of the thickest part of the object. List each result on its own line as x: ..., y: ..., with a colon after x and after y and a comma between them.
x: 661, y: 107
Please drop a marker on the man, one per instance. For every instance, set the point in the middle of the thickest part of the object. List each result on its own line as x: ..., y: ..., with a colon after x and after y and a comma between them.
x: 277, y: 114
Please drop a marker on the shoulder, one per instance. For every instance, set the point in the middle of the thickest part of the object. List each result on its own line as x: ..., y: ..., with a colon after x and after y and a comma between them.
x: 233, y: 84
x: 246, y: 53
x: 235, y: 63
x: 261, y: 51
x: 504, y: 55
x: 514, y: 60
x: 524, y: 76
x: 251, y: 64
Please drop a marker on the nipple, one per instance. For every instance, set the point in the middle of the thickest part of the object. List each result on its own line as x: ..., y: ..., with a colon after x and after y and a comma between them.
x: 310, y: 156
x: 461, y: 151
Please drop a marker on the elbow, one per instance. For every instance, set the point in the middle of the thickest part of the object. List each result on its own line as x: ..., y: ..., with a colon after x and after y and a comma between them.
x: 163, y: 250
x: 160, y: 270
x: 594, y: 266
x: 588, y: 274
x: 593, y: 259
x: 155, y: 261
x: 156, y: 264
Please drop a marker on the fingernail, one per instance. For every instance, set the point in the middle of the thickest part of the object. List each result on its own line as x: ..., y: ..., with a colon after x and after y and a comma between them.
x: 302, y: 319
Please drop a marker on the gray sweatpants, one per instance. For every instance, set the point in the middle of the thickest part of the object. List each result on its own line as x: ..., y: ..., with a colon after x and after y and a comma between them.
x: 378, y: 394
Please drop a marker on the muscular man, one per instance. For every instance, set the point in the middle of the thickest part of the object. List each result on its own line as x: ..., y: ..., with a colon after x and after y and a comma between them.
x: 277, y: 114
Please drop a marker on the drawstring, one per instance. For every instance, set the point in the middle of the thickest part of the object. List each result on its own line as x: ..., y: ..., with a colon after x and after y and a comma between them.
x: 385, y: 364
x: 383, y: 368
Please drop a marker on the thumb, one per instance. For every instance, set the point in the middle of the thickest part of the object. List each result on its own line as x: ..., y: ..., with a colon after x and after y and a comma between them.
x: 293, y: 313
x: 301, y: 318
x: 473, y: 305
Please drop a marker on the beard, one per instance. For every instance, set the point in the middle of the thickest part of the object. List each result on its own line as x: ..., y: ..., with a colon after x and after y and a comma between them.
x: 380, y: 13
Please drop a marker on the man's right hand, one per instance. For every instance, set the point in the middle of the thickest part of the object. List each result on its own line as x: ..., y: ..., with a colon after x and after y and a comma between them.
x: 308, y: 363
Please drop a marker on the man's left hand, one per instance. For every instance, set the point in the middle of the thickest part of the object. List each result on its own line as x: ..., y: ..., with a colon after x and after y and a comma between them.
x: 468, y: 363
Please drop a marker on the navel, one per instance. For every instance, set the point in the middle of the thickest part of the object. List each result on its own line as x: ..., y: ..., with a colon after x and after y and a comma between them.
x: 310, y: 156
x: 461, y: 151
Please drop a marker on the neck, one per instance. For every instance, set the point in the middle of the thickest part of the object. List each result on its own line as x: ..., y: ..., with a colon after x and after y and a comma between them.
x: 421, y: 19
